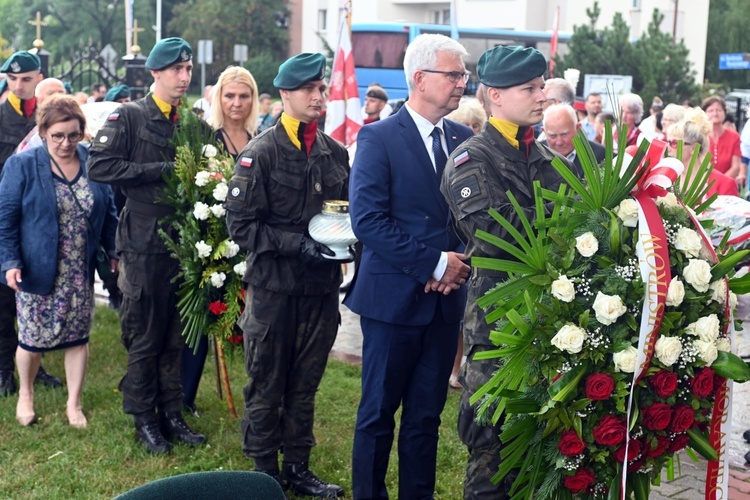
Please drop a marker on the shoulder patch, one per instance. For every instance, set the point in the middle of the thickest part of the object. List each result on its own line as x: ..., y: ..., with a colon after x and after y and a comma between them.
x: 246, y: 162
x: 461, y: 159
x: 113, y: 117
x: 465, y: 189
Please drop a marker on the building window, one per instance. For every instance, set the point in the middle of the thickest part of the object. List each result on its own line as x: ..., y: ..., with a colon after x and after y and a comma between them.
x: 636, y: 4
x: 441, y: 16
x: 322, y: 19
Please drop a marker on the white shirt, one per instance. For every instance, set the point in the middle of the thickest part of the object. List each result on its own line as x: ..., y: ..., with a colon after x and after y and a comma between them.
x: 745, y: 140
x: 425, y: 127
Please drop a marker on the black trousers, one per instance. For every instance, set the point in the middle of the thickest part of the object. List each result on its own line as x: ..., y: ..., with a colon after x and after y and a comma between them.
x: 8, y: 335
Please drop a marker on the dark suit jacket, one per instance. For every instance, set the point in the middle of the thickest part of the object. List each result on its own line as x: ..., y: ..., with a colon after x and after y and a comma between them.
x: 402, y: 219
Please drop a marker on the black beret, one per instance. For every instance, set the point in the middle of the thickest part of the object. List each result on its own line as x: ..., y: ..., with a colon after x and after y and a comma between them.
x: 300, y: 69
x: 377, y: 93
x: 167, y: 52
x: 21, y: 62
x: 503, y: 67
x: 117, y: 92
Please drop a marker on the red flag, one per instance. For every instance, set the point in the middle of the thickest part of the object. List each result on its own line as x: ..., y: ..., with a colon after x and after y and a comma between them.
x: 343, y: 115
x: 553, y: 42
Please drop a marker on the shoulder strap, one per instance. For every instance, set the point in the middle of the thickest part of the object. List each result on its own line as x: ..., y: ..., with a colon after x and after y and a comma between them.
x: 70, y: 186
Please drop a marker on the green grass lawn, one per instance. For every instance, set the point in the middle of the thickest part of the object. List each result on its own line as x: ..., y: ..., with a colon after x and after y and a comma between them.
x: 53, y: 460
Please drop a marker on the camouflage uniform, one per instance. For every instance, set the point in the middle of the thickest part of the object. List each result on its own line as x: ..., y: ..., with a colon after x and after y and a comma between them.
x: 291, y: 318
x: 472, y: 185
x: 130, y: 151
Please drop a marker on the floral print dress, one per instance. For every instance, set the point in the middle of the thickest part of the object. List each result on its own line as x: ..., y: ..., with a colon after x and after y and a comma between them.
x: 62, y: 318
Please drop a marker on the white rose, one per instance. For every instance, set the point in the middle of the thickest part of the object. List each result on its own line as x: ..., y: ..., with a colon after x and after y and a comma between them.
x: 570, y: 338
x: 220, y: 191
x: 723, y: 344
x: 675, y: 293
x: 201, y: 211
x: 706, y: 254
x: 218, y: 211
x: 706, y: 328
x: 668, y: 350
x: 202, y: 178
x: 587, y: 244
x: 217, y: 279
x: 670, y: 200
x: 563, y: 289
x: 209, y: 151
x: 707, y: 351
x: 608, y: 308
x: 698, y: 274
x: 231, y: 249
x: 625, y: 360
x: 688, y: 242
x: 204, y: 250
x: 732, y: 300
x: 627, y: 211
x: 719, y: 291
x: 240, y: 268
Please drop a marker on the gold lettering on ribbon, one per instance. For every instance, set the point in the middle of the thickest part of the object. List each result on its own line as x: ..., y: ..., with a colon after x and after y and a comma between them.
x: 657, y: 282
x: 716, y: 468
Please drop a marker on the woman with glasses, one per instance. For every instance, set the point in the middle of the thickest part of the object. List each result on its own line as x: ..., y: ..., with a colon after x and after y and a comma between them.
x: 51, y: 218
x: 693, y: 131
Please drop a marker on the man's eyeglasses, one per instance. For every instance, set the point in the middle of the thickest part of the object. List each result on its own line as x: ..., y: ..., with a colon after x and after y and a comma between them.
x: 453, y: 76
x: 673, y: 143
x: 59, y: 137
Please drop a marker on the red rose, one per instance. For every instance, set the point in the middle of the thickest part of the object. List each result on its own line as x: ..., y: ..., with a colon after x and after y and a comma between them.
x: 635, y: 466
x: 703, y: 383
x: 580, y: 481
x: 678, y: 443
x: 217, y: 307
x: 683, y: 417
x: 610, y: 431
x: 664, y: 383
x: 661, y: 446
x: 599, y: 386
x: 235, y: 339
x: 634, y: 449
x: 657, y: 416
x: 570, y: 444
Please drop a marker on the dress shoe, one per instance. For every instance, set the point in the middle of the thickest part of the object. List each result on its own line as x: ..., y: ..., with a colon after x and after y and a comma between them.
x: 174, y: 426
x: 151, y: 437
x: 746, y: 435
x: 276, y: 477
x: 7, y: 383
x: 44, y: 378
x: 302, y: 481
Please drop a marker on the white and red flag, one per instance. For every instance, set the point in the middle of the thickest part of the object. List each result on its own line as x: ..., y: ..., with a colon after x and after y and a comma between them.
x: 343, y: 115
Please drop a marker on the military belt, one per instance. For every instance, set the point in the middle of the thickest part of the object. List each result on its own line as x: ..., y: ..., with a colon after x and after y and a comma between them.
x: 148, y: 209
x: 488, y: 273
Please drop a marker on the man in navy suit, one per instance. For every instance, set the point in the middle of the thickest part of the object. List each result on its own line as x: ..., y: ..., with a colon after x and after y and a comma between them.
x: 408, y: 290
x: 560, y: 125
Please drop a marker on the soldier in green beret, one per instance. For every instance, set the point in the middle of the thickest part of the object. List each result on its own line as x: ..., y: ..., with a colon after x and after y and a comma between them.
x: 132, y: 151
x: 118, y: 93
x: 17, y: 120
x: 280, y: 182
x: 503, y: 157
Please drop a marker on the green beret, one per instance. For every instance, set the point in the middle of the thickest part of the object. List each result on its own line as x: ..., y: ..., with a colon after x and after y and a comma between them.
x: 503, y: 67
x: 3, y: 85
x: 21, y: 62
x: 300, y: 69
x: 167, y: 52
x: 117, y: 92
x: 68, y: 88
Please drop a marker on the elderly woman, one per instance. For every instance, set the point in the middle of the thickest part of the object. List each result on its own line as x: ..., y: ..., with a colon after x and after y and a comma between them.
x: 631, y: 112
x: 672, y: 114
x: 693, y: 131
x: 470, y: 113
x: 48, y: 249
x: 725, y: 144
x: 234, y: 109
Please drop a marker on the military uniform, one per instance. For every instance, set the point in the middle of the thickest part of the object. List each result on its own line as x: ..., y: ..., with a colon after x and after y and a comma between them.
x: 291, y: 319
x: 130, y: 151
x: 477, y: 176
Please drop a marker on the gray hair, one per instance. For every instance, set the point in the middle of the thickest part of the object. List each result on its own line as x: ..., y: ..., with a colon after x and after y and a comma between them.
x: 633, y: 103
x: 694, y: 128
x: 560, y: 90
x: 422, y: 54
x: 561, y: 108
x: 673, y: 112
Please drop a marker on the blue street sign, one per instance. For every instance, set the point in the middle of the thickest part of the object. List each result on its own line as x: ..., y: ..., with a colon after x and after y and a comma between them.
x: 734, y: 61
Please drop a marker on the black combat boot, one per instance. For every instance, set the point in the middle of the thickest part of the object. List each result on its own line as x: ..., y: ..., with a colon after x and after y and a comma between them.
x: 174, y: 426
x: 44, y: 378
x: 302, y: 481
x: 746, y: 435
x: 149, y: 434
x: 7, y: 383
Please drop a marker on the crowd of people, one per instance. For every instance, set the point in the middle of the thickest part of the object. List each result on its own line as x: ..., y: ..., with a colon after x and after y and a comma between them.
x: 419, y: 184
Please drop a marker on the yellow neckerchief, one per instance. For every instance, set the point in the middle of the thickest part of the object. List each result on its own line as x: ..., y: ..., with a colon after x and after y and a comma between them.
x: 15, y: 102
x: 164, y: 106
x: 291, y: 125
x: 507, y: 129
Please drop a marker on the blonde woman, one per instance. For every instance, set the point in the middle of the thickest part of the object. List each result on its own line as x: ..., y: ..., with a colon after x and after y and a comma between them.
x: 235, y: 109
x: 470, y: 113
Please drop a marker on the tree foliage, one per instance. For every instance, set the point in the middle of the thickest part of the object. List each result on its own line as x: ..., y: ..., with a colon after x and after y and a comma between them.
x: 728, y: 25
x: 658, y: 66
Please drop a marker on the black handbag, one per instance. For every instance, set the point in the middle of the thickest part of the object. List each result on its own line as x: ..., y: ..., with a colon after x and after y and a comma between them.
x: 102, y: 257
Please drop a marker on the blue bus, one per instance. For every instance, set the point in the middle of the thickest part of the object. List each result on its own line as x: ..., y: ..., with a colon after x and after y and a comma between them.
x: 379, y: 50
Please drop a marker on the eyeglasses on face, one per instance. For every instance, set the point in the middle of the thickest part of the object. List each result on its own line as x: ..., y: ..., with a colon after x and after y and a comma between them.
x: 58, y: 138
x: 673, y: 143
x: 453, y: 76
